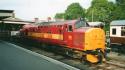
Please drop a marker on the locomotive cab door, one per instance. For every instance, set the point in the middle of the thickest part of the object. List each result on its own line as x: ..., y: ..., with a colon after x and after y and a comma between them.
x: 68, y: 36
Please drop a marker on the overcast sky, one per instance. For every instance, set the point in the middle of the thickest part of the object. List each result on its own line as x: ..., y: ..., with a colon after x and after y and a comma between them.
x: 29, y: 9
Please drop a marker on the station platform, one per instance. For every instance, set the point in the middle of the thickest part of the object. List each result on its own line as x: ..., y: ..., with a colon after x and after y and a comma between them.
x: 13, y: 57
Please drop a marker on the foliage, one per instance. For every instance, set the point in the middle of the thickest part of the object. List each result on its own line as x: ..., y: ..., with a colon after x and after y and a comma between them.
x: 119, y: 11
x: 74, y: 11
x: 59, y: 15
x: 100, y: 10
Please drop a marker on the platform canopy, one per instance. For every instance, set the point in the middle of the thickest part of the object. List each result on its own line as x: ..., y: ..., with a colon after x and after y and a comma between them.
x: 13, y: 20
x: 8, y: 21
x: 6, y: 13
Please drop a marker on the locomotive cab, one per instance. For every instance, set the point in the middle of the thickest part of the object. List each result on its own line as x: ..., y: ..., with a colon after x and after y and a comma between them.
x: 91, y: 41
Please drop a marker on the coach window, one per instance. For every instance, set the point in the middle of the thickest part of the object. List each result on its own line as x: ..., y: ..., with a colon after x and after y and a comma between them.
x: 70, y: 28
x: 114, y: 31
x: 122, y: 31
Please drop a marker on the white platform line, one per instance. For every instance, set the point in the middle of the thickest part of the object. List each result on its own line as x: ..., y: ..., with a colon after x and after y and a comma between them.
x: 45, y: 57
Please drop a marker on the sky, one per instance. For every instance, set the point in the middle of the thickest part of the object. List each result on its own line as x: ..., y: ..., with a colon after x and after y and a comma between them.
x: 30, y: 9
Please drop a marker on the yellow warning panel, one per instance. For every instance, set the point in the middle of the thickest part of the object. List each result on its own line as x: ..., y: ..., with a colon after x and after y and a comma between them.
x: 94, y: 38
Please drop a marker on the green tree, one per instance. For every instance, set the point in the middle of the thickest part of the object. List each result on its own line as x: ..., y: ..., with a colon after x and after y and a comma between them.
x: 74, y: 11
x: 119, y: 12
x: 59, y: 16
x: 100, y: 10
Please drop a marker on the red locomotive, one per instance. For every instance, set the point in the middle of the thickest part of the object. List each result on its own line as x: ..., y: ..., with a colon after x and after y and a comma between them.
x: 73, y: 36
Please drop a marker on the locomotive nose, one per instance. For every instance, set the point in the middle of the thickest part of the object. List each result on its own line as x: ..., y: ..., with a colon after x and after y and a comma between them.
x: 95, y: 40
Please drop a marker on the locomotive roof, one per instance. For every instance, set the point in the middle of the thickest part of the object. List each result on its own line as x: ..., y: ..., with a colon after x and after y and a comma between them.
x: 56, y: 23
x: 43, y: 23
x: 95, y: 23
x: 118, y: 23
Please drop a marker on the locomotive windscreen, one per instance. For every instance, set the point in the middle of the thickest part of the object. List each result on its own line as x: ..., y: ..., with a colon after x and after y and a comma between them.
x: 81, y: 23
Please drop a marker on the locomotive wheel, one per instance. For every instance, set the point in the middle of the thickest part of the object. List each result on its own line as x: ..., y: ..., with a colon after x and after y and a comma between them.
x: 101, y: 56
x: 73, y: 54
x: 95, y: 58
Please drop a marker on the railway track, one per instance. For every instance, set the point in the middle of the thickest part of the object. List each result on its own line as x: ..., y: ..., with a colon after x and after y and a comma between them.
x: 108, y: 65
x: 117, y: 64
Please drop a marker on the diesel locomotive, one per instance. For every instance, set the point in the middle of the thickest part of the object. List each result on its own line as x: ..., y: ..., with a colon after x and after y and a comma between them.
x: 74, y: 37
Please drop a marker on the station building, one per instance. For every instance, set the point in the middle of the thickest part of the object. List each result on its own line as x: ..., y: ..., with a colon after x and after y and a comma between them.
x: 9, y: 24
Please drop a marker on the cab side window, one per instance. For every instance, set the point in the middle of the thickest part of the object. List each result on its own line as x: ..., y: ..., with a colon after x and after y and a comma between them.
x: 70, y: 29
